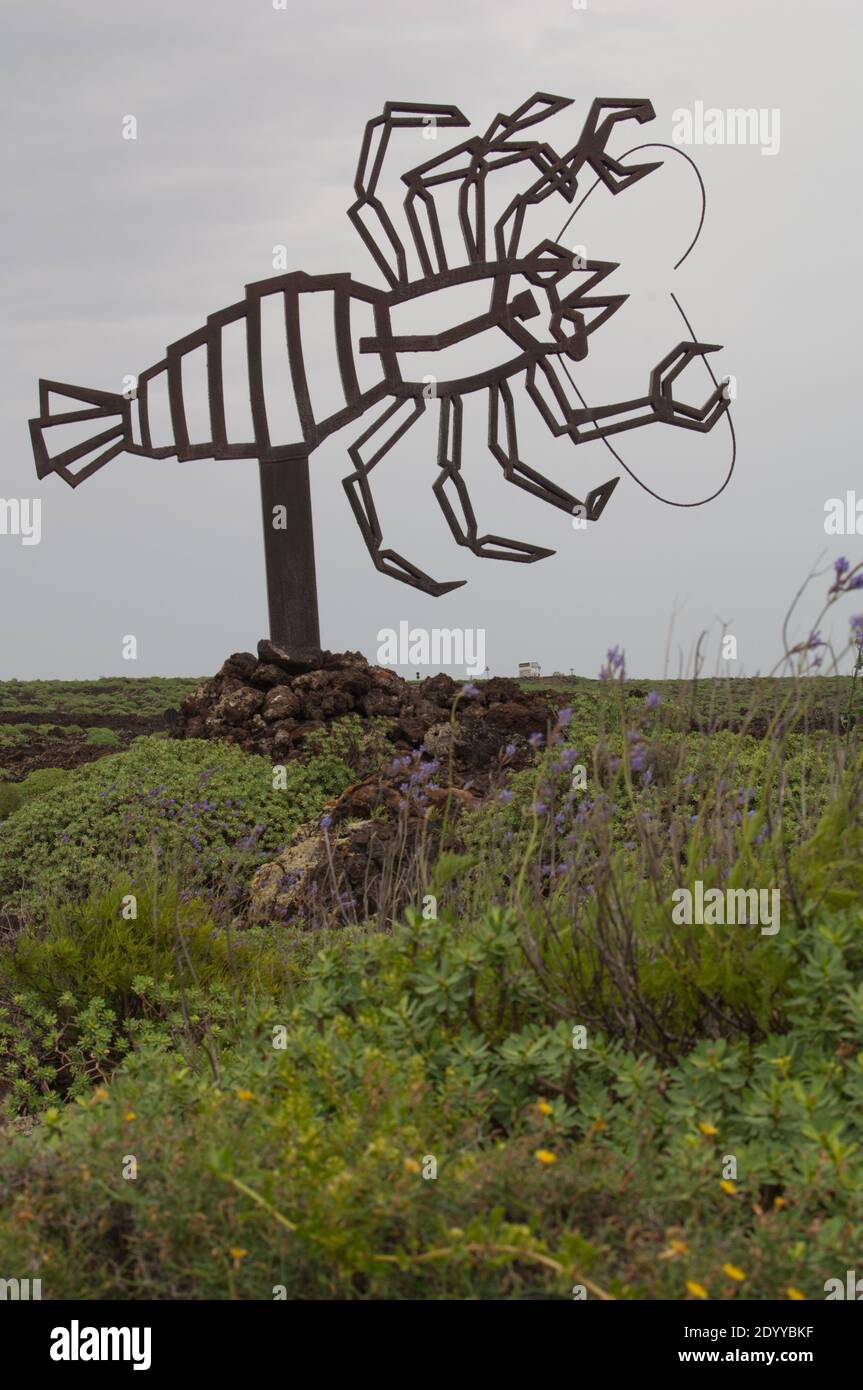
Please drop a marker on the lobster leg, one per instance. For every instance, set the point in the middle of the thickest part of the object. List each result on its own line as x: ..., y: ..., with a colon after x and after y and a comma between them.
x: 469, y: 164
x: 674, y: 412
x: 561, y: 174
x: 464, y: 526
x: 369, y: 214
x: 356, y: 486
x: 660, y: 405
x: 506, y: 454
x: 586, y: 423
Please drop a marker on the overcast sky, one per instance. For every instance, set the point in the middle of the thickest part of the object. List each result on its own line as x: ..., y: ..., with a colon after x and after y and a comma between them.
x: 249, y: 122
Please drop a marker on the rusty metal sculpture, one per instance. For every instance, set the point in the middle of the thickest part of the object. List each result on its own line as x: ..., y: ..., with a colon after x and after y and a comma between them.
x: 546, y: 273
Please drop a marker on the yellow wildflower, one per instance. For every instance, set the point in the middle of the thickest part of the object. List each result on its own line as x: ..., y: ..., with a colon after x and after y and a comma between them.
x: 697, y: 1290
x: 411, y: 1166
x: 245, y: 1095
x: 796, y: 1295
x: 728, y: 1186
x: 129, y: 1116
x: 544, y: 1156
x: 543, y: 1107
x: 708, y: 1129
x: 734, y: 1273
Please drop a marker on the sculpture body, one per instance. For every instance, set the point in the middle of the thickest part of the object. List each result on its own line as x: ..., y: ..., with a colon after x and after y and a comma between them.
x: 542, y: 311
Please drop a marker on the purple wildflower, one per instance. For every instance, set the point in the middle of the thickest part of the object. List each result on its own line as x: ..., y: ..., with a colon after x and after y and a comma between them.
x: 615, y: 665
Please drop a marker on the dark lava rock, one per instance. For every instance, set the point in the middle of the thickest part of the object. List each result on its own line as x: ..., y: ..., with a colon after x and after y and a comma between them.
x: 266, y: 675
x: 241, y: 665
x: 238, y: 706
x: 447, y: 750
x: 270, y: 705
x: 282, y: 703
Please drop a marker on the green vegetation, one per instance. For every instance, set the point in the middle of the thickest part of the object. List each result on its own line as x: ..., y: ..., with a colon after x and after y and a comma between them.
x: 706, y: 706
x: 103, y: 976
x: 15, y: 794
x: 12, y: 735
x: 207, y: 805
x: 555, y: 1166
x: 533, y: 1078
x: 103, y: 738
x: 111, y: 695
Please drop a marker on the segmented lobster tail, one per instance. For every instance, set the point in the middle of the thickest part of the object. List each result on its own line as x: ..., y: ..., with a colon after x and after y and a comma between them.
x: 112, y: 431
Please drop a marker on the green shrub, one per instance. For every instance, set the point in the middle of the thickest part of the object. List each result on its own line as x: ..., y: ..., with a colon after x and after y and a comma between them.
x: 302, y: 1166
x: 103, y: 738
x: 284, y: 1092
x: 149, y: 968
x: 37, y: 783
x: 12, y: 735
x: 42, y: 780
x: 108, y: 695
x: 205, y: 802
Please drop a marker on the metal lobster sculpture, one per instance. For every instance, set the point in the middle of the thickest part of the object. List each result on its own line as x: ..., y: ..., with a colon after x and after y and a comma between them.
x: 537, y: 300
